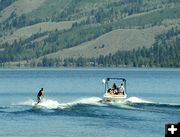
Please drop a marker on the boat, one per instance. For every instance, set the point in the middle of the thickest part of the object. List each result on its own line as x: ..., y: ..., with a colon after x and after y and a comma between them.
x: 115, y: 90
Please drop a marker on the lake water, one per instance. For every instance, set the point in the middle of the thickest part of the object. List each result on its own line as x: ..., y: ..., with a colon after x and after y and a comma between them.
x: 72, y: 106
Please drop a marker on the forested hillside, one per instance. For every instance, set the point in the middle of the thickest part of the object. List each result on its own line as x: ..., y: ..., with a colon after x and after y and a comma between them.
x: 118, y: 33
x: 165, y: 52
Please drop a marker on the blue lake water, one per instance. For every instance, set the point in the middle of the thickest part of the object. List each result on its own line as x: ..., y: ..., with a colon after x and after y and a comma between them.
x: 72, y: 106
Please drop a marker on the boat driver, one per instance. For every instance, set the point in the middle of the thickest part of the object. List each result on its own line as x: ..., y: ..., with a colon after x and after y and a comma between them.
x: 114, y: 89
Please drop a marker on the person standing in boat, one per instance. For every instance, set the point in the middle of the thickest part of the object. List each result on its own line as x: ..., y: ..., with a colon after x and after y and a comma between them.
x: 40, y: 95
x: 121, y: 89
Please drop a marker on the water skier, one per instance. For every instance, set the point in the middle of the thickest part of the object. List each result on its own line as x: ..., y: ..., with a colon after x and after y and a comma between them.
x: 40, y: 95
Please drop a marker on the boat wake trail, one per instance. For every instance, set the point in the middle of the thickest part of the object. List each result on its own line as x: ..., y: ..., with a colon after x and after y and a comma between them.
x: 148, y: 106
x: 90, y: 106
x: 53, y: 104
x: 129, y: 103
x: 135, y: 101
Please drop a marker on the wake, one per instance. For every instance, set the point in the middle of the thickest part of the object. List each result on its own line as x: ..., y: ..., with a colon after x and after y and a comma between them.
x: 138, y: 101
x: 53, y: 104
x: 129, y: 103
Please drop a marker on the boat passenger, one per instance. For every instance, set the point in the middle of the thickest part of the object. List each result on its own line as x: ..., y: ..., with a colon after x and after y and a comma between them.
x: 121, y: 89
x: 115, y: 89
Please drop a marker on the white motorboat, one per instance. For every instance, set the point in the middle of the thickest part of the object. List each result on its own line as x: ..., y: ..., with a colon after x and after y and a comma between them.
x: 115, y: 93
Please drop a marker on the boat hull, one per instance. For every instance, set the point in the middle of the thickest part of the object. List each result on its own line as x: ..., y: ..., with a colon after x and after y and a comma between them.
x: 114, y: 98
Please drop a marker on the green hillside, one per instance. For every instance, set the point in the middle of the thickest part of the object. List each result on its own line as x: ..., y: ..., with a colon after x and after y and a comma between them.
x: 120, y: 39
x: 28, y: 31
x: 19, y: 7
x: 61, y: 29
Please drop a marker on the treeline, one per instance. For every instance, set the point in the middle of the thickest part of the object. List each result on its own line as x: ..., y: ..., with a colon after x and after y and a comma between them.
x: 164, y: 53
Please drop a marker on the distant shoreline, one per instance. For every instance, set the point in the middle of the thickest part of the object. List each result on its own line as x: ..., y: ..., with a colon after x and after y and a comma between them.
x: 90, y: 68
